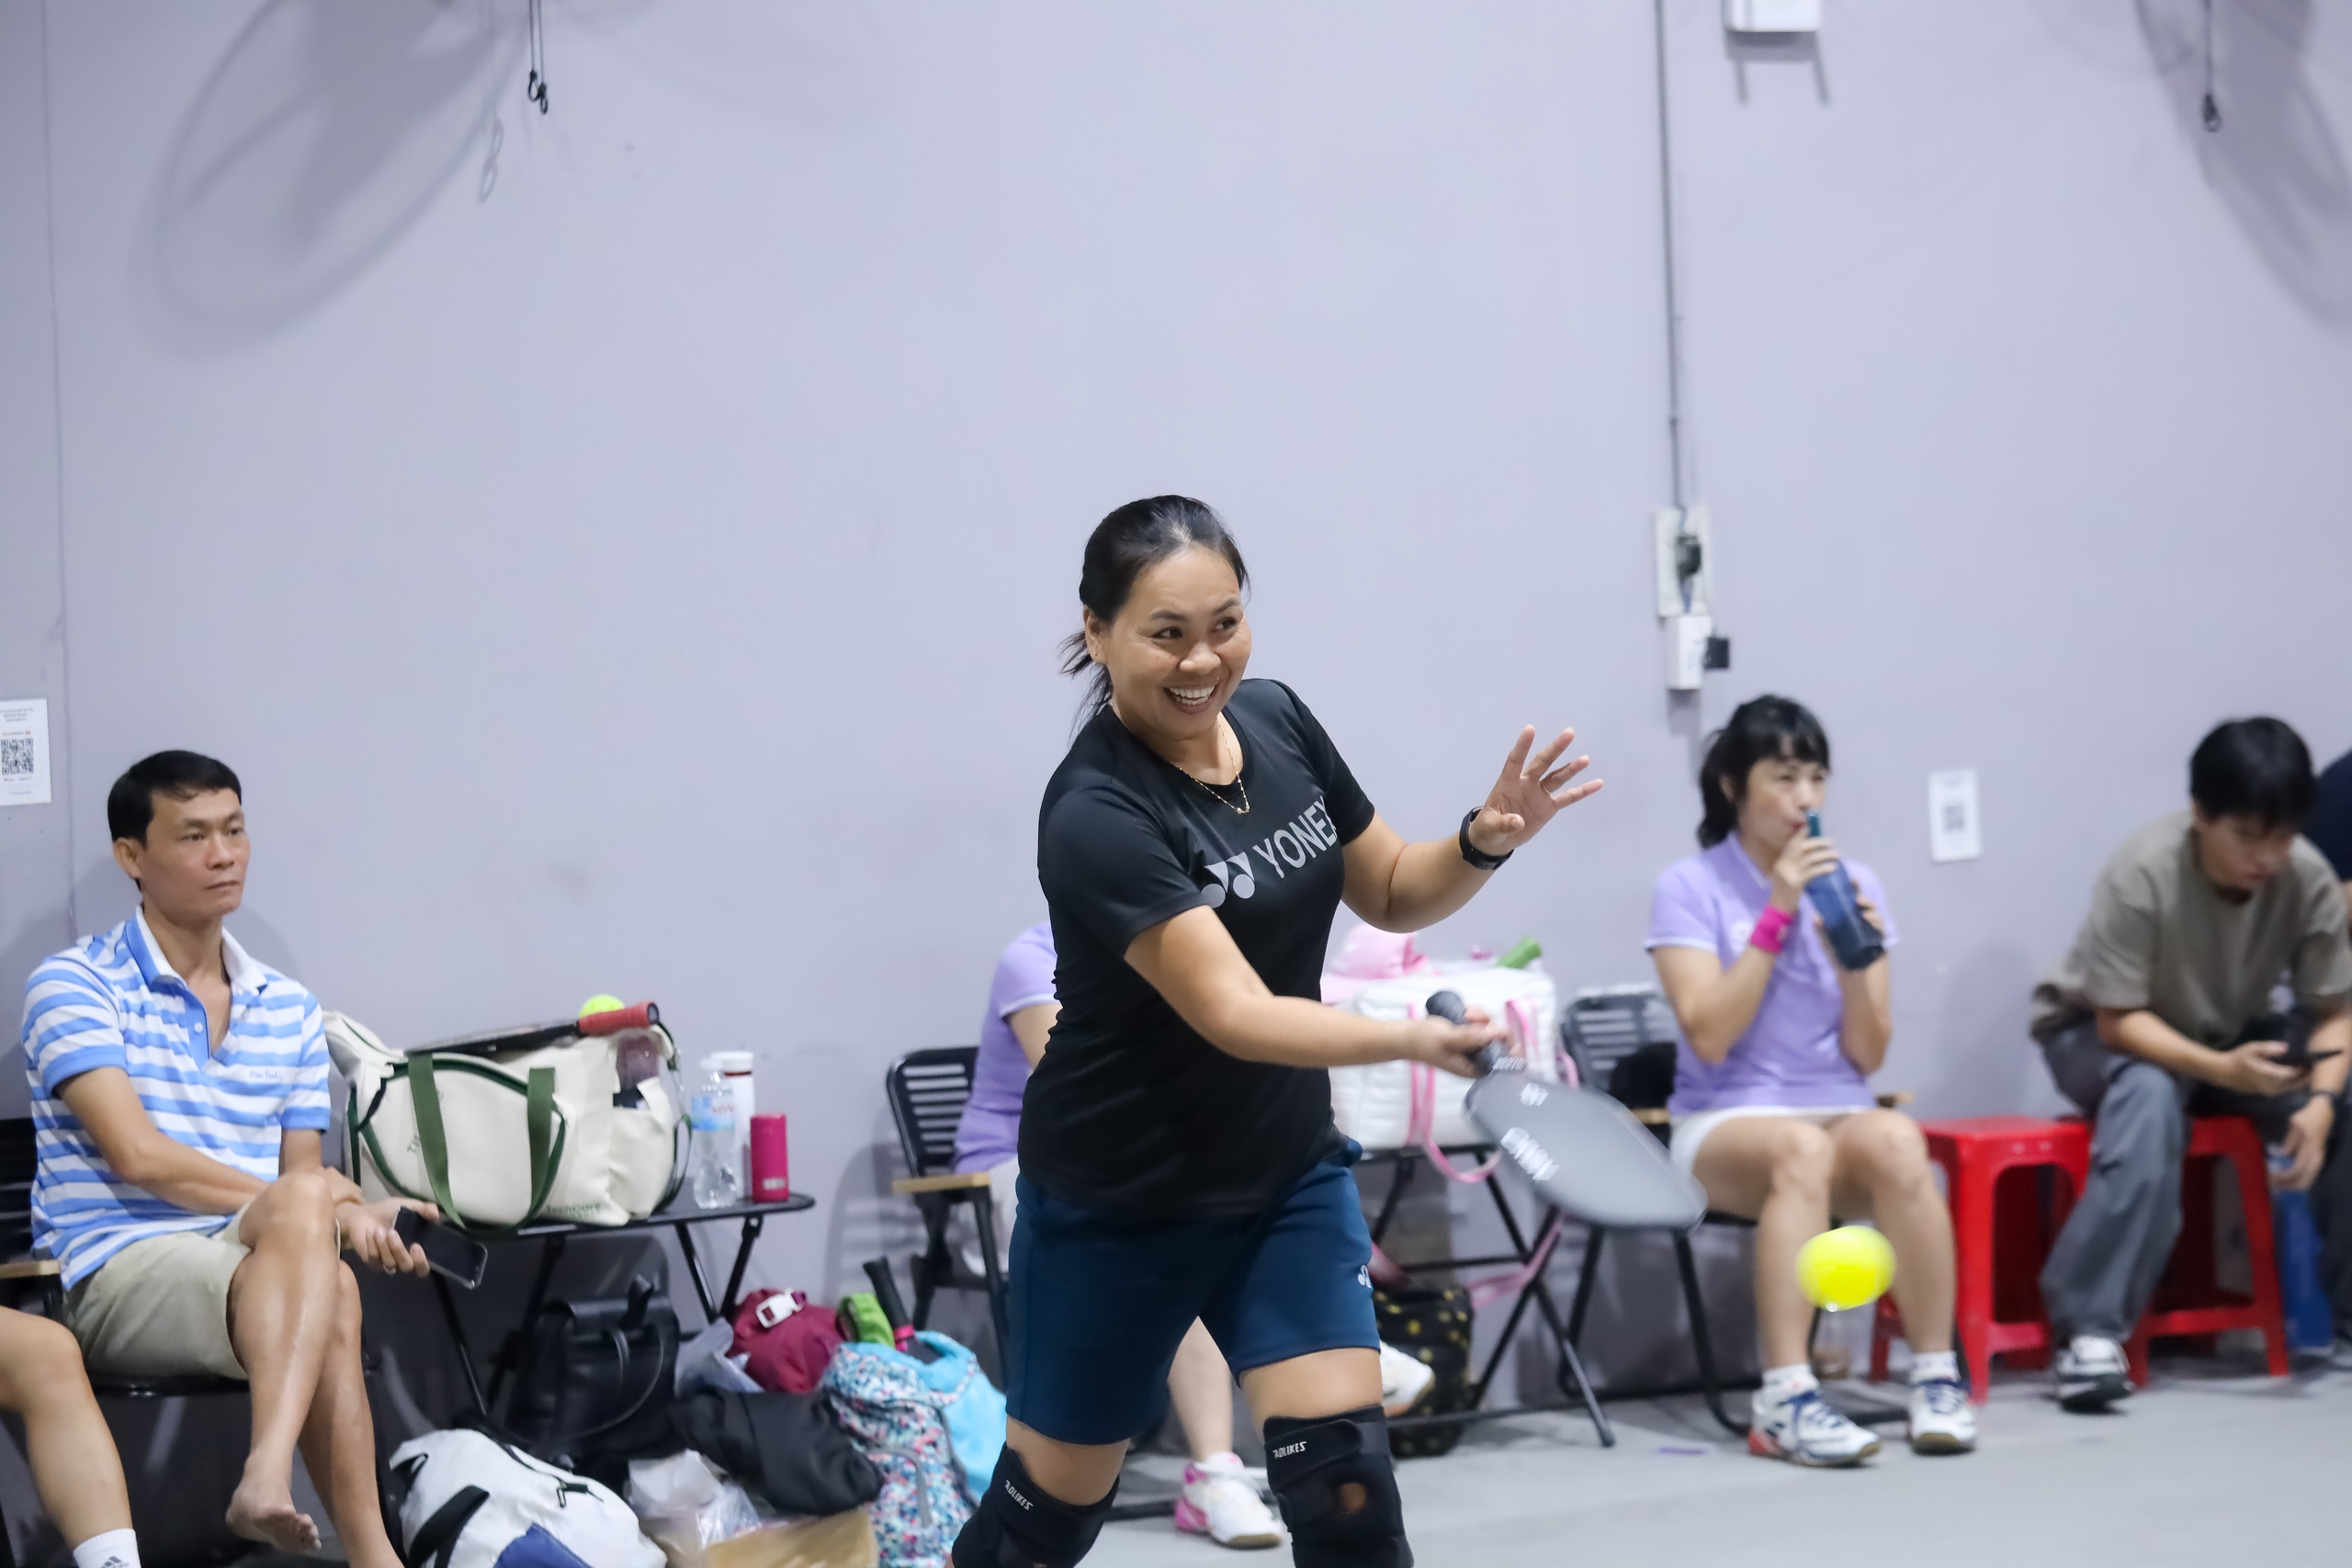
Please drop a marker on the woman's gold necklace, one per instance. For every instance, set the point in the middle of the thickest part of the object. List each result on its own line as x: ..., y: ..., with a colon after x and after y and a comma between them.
x: 1241, y: 810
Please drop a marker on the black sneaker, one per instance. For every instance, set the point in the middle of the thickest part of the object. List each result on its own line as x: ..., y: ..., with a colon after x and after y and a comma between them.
x: 2092, y: 1374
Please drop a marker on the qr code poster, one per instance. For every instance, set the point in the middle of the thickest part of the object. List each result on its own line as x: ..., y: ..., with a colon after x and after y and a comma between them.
x: 24, y: 751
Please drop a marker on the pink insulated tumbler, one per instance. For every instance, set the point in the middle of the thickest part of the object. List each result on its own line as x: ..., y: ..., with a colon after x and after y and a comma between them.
x: 771, y: 1172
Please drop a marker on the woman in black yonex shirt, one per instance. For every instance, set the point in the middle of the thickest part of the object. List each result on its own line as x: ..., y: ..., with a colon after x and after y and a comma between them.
x: 1177, y: 1150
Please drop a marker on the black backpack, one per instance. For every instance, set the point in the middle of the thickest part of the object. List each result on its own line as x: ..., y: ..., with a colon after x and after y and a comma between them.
x: 1431, y: 1323
x: 596, y: 1381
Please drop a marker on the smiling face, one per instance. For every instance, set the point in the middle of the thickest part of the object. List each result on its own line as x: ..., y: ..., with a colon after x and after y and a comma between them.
x: 1781, y: 790
x: 1176, y: 648
x: 191, y: 867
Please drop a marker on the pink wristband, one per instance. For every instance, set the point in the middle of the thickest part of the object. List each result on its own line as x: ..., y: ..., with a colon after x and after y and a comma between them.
x: 1771, y: 930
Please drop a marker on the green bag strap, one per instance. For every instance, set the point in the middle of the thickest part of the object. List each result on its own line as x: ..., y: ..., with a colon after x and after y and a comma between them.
x: 539, y: 1118
x: 432, y: 1140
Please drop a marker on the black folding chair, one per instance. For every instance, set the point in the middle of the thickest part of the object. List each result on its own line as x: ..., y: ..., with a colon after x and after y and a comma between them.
x: 928, y: 1090
x: 26, y: 1275
x: 1621, y: 1040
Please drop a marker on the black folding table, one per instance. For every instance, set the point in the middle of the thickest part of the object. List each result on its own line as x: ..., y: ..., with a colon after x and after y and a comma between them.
x: 553, y: 1234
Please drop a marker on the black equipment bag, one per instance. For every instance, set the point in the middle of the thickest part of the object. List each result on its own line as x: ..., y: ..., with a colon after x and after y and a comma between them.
x: 785, y: 1446
x: 595, y: 1382
x: 1431, y: 1323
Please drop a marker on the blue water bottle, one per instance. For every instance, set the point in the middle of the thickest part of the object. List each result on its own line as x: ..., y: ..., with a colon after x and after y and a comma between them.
x: 1851, y: 937
x: 2311, y: 1318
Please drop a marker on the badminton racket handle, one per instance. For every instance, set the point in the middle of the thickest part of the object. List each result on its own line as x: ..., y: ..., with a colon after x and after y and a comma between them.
x: 1448, y: 1005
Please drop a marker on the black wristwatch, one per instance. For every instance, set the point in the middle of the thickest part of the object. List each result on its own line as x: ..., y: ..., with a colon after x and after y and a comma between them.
x: 1478, y: 858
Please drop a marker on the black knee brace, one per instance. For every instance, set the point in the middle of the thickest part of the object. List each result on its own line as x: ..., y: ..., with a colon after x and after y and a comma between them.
x: 1017, y: 1525
x: 1338, y: 1489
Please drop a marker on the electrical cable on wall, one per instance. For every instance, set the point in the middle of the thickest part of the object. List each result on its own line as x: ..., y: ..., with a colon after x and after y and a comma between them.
x: 2212, y: 105
x: 536, y: 90
x: 1673, y: 307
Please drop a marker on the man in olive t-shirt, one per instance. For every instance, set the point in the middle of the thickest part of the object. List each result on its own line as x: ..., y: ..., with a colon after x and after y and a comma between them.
x: 2162, y: 1010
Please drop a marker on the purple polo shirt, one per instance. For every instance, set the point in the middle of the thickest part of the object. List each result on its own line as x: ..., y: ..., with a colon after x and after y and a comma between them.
x: 1790, y: 1055
x: 990, y: 1132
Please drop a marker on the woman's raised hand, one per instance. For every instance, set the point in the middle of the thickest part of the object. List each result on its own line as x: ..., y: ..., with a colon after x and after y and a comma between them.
x: 1803, y: 859
x: 1452, y: 1048
x: 1529, y: 793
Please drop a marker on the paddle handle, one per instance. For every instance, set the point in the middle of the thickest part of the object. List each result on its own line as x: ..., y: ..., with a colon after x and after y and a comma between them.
x: 1449, y: 1006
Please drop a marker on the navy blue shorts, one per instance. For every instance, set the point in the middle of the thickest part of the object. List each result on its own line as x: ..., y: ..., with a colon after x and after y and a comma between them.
x: 1099, y: 1303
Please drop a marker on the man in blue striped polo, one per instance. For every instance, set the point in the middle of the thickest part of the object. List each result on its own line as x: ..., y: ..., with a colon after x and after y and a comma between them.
x: 179, y: 1092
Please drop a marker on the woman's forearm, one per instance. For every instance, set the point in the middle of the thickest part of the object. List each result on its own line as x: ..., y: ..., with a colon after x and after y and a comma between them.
x: 1425, y: 883
x: 1866, y: 1022
x: 1293, y: 1032
x: 1716, y: 1013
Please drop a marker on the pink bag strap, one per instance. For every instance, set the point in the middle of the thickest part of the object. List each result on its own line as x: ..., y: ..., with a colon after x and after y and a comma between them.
x: 1423, y: 1127
x: 1500, y: 1285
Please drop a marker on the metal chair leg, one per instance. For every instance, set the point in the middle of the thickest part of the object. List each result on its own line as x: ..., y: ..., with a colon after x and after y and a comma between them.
x: 1587, y: 1275
x: 984, y: 1220
x: 1710, y: 1383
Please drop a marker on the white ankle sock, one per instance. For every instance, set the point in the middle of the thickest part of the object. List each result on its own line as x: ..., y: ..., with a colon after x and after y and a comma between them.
x: 1786, y: 1382
x: 1935, y: 1366
x: 116, y: 1549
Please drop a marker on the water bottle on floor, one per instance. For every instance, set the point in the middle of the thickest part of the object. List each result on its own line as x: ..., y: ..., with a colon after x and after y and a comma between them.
x: 1849, y: 936
x: 2311, y: 1318
x: 715, y: 1169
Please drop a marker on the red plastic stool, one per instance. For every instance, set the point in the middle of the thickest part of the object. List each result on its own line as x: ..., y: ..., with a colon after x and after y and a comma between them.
x: 1999, y: 1234
x: 2189, y: 1303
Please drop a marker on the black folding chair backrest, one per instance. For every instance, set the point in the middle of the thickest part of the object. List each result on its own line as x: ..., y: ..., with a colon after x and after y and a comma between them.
x: 928, y: 1090
x: 1621, y: 1040
x: 16, y: 1159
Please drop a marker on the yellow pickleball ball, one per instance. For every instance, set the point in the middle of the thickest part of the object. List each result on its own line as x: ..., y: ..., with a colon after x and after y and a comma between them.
x: 1849, y: 1267
x: 601, y: 1003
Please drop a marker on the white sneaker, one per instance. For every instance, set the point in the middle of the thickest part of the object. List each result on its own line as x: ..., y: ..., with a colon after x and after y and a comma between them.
x: 1806, y: 1429
x: 1941, y: 1421
x: 2092, y: 1374
x: 1403, y: 1380
x: 1221, y: 1501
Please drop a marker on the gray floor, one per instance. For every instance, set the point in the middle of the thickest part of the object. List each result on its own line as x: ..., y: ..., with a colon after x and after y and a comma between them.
x: 2201, y: 1468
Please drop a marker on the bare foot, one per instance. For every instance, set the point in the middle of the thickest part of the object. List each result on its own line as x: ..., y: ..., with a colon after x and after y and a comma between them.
x: 265, y: 1513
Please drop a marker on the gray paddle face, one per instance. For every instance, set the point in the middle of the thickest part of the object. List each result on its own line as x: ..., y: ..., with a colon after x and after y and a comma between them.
x: 1584, y: 1153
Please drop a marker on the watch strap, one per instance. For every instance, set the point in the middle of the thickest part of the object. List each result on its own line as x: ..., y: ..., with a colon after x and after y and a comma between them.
x: 1478, y: 858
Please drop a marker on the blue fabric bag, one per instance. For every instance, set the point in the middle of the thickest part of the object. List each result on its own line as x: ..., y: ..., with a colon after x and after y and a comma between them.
x: 972, y: 1407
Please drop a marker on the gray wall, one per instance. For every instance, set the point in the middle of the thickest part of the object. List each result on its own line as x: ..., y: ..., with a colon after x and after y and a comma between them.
x: 622, y: 550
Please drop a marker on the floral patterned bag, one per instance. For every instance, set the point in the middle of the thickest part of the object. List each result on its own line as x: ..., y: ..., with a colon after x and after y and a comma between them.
x: 878, y: 1396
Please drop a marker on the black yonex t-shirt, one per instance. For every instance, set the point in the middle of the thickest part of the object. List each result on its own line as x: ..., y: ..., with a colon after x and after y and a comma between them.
x: 1131, y: 1112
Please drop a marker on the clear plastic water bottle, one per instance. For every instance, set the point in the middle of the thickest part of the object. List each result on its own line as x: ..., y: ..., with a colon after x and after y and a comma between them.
x: 1831, y: 892
x: 716, y: 1168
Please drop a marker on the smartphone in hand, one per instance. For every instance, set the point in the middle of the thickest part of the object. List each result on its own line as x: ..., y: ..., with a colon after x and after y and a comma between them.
x: 451, y: 1252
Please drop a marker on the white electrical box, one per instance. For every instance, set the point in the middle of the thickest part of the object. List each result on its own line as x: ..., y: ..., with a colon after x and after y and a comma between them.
x: 1952, y: 830
x: 1686, y: 650
x: 1772, y: 16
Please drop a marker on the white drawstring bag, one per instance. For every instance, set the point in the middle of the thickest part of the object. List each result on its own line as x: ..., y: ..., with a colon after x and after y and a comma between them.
x: 1377, y: 1105
x: 498, y: 1139
x: 472, y: 1502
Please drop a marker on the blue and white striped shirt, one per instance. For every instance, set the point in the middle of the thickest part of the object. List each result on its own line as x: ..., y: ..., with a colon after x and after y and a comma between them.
x: 115, y: 1001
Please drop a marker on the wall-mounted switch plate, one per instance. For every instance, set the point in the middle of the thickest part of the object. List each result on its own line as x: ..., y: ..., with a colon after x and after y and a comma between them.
x: 1953, y: 832
x: 1669, y: 528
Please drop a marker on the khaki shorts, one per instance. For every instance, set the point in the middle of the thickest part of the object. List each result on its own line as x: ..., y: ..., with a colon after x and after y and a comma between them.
x: 160, y: 1307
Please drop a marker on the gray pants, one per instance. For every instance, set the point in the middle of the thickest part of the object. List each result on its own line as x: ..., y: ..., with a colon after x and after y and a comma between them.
x: 2113, y: 1250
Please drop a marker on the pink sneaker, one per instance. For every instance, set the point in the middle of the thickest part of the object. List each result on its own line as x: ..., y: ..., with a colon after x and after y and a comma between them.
x: 1221, y: 1501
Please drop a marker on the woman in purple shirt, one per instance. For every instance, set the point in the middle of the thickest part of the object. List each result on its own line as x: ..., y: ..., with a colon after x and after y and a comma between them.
x: 1772, y: 1112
